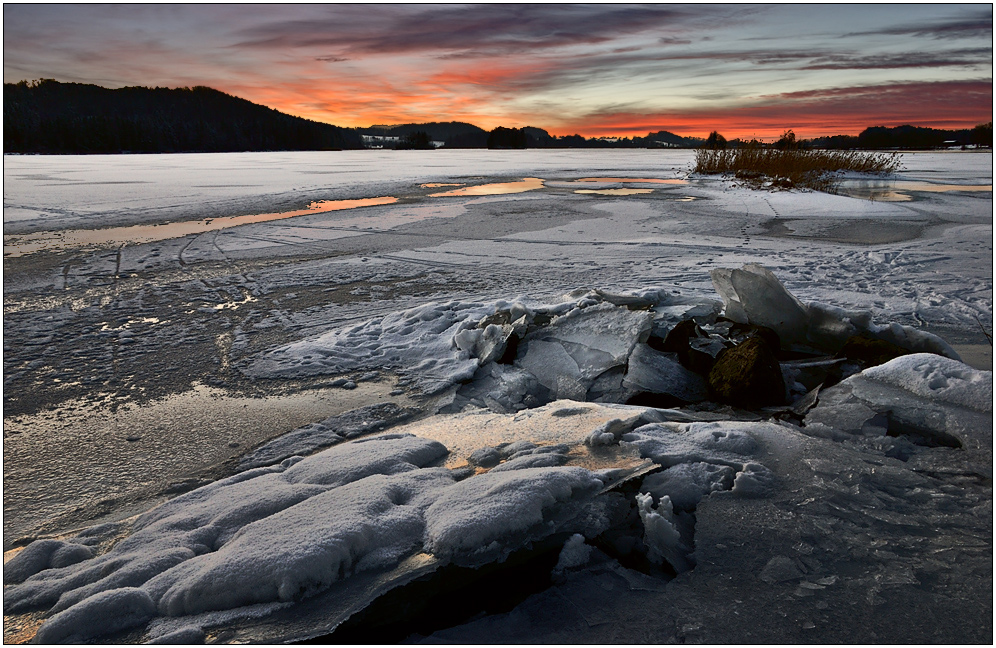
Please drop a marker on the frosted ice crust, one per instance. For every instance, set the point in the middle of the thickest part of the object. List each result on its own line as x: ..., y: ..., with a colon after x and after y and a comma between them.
x: 854, y: 450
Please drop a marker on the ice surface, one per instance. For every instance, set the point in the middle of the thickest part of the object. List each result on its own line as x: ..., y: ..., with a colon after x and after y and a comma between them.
x: 821, y: 538
x: 327, y: 432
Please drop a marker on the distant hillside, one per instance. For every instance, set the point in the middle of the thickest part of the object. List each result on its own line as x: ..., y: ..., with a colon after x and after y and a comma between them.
x: 53, y: 117
x: 669, y: 139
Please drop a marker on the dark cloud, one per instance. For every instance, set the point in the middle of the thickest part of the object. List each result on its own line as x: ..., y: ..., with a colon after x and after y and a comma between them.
x: 487, y: 28
x: 942, y: 104
x: 952, y: 58
x: 959, y: 91
x: 331, y: 59
x: 980, y: 26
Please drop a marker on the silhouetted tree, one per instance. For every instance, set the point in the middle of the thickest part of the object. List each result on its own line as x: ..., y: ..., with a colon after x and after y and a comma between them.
x: 502, y: 137
x: 982, y: 135
x: 787, y: 141
x: 715, y: 141
x: 419, y: 140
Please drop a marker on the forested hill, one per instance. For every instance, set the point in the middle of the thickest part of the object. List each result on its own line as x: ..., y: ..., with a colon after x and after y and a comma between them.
x: 52, y: 117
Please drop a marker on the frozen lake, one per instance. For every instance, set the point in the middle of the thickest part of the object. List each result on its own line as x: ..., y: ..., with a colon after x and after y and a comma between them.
x: 164, y: 315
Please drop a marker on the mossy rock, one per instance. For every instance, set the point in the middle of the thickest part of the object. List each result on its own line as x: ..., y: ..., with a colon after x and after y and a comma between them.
x: 869, y: 351
x: 748, y: 376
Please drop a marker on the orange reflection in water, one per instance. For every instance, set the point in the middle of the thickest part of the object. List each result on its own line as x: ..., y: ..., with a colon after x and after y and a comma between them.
x: 670, y: 181
x: 16, y: 245
x: 614, y: 192
x: 494, y: 189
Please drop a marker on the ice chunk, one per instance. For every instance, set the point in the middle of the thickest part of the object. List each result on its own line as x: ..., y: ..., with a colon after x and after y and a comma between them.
x: 661, y: 373
x: 661, y: 535
x: 669, y: 444
x: 936, y: 378
x: 501, y: 388
x: 41, y: 555
x: 100, y: 614
x: 569, y: 354
x: 606, y: 328
x: 686, y: 484
x: 554, y: 368
x: 302, y: 550
x: 477, y: 520
x: 753, y: 295
x: 575, y: 553
x: 932, y: 399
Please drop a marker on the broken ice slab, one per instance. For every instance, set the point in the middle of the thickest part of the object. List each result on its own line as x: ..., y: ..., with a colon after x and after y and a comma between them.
x: 929, y: 398
x: 661, y: 373
x: 753, y: 295
x: 567, y: 355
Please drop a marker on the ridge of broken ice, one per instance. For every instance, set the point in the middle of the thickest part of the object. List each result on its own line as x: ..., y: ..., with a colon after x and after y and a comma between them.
x: 753, y: 295
x: 441, y: 344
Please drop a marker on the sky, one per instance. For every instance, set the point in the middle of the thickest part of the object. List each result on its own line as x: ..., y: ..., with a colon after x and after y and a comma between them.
x: 596, y: 70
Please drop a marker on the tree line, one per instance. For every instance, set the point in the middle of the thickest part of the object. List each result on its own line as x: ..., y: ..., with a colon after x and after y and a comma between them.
x: 872, y: 138
x: 47, y: 116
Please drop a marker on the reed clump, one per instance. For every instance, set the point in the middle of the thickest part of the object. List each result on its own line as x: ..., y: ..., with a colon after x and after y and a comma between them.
x: 788, y: 168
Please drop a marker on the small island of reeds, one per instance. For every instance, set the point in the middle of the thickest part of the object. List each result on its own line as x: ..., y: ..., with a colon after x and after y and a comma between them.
x: 784, y: 165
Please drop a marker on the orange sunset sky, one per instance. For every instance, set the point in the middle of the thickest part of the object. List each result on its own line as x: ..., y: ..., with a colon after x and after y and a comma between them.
x: 596, y: 70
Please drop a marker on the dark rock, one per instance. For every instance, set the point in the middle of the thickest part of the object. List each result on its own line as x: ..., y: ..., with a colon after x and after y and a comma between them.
x: 678, y: 340
x: 659, y: 401
x: 743, y: 331
x: 511, y: 350
x: 748, y: 376
x: 869, y: 351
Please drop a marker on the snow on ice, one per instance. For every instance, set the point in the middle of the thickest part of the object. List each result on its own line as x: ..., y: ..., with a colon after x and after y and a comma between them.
x: 865, y: 488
